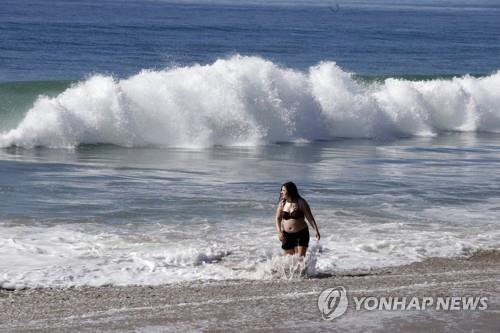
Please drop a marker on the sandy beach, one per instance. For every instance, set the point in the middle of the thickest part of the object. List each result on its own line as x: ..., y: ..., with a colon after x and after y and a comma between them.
x: 145, y: 144
x: 277, y: 305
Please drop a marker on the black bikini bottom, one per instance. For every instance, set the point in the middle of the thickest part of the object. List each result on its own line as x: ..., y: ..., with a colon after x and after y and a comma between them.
x: 293, y: 239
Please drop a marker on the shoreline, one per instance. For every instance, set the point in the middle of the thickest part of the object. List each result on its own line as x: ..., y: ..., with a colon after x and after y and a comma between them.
x: 270, y: 305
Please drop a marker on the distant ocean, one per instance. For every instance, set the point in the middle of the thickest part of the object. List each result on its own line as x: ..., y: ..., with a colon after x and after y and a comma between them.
x: 144, y: 141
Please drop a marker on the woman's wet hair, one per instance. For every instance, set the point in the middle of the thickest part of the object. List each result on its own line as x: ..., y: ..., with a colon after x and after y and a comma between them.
x: 292, y: 190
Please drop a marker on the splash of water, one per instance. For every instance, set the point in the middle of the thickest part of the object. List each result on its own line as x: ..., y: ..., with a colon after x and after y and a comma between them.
x: 251, y: 101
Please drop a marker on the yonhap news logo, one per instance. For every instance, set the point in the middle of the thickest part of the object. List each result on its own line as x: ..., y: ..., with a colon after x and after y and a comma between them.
x: 333, y: 303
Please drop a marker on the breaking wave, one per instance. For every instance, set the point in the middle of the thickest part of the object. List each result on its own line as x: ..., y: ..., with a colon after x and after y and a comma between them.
x: 248, y: 100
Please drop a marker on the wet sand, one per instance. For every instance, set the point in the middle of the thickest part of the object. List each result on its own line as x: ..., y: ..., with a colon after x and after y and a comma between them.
x: 264, y: 306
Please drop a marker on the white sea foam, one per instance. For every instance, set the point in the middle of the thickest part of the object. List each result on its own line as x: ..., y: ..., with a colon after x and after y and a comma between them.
x: 95, y: 255
x: 250, y: 101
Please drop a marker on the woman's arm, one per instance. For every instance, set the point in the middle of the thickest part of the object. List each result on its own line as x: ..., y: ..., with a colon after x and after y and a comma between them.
x: 278, y: 221
x: 307, y: 212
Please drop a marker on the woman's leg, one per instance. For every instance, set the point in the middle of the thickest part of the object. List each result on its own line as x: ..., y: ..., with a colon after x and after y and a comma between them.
x: 303, y: 242
x: 301, y: 250
x: 288, y: 244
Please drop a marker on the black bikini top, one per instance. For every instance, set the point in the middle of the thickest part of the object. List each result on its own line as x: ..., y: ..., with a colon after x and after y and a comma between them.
x: 294, y: 214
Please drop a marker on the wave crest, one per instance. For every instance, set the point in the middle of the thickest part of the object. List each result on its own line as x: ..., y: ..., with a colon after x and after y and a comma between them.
x: 251, y: 101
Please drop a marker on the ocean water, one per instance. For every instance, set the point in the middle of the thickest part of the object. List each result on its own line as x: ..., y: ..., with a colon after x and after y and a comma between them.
x: 145, y: 142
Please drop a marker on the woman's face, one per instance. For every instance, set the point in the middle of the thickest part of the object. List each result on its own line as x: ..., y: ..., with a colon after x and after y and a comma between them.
x: 284, y: 192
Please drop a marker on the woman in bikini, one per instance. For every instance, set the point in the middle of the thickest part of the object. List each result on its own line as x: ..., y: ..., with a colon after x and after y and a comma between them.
x: 291, y: 223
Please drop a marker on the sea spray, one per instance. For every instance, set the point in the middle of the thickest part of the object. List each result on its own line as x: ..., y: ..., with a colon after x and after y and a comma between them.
x: 251, y: 101
x: 293, y: 267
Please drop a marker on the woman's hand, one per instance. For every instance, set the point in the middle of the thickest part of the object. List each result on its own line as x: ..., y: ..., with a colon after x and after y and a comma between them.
x: 281, y: 236
x: 317, y: 235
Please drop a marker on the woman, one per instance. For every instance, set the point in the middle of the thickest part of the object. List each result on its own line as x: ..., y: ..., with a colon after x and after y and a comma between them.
x: 290, y: 221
